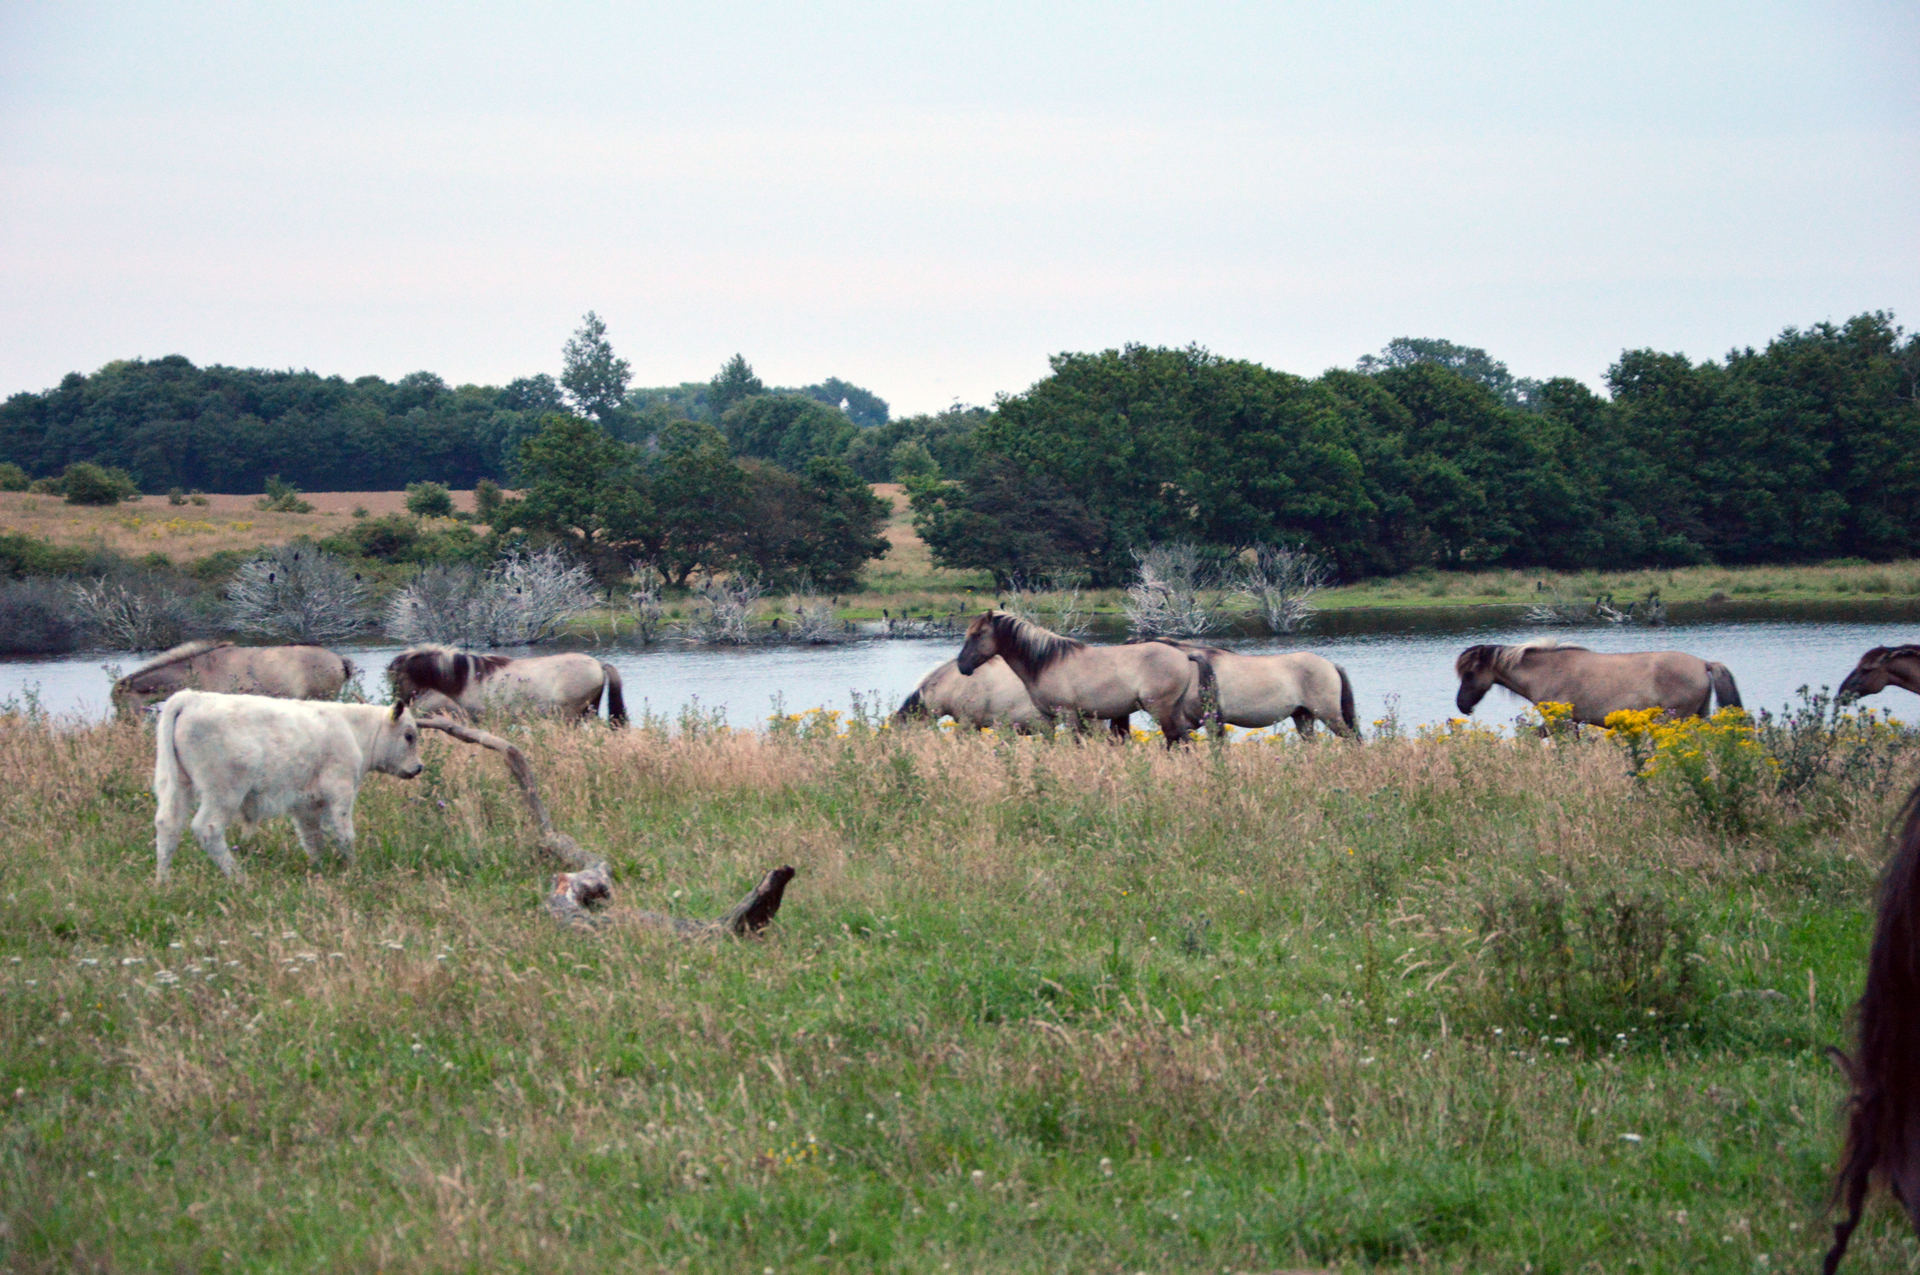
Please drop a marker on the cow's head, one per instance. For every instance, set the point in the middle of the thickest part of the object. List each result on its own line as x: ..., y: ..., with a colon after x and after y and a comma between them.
x: 398, y: 752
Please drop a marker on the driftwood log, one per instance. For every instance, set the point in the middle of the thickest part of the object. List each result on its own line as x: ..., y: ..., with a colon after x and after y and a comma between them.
x: 588, y: 881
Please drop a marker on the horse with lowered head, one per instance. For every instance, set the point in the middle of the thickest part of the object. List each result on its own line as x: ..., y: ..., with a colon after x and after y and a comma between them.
x: 1264, y: 690
x: 570, y: 684
x: 1065, y: 675
x: 1880, y: 668
x: 1595, y: 683
x: 284, y: 672
x: 990, y: 696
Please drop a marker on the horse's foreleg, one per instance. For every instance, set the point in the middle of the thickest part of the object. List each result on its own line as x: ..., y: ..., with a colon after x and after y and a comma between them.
x: 1120, y: 729
x: 1303, y: 720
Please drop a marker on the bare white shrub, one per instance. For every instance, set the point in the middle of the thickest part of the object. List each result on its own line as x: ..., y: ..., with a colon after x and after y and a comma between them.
x: 1165, y: 599
x: 644, y: 607
x: 1053, y: 602
x: 723, y: 611
x: 1280, y: 582
x: 539, y: 593
x: 444, y: 603
x: 132, y: 617
x: 810, y: 616
x: 298, y: 593
x: 523, y: 600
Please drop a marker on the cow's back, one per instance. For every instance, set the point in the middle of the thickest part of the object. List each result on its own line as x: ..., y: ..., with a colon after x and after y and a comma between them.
x: 265, y: 753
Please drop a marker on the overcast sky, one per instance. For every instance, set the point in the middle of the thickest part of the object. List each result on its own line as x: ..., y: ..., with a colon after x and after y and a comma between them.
x: 930, y: 199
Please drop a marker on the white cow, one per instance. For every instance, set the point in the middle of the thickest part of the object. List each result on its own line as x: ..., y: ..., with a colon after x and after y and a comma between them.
x: 252, y: 757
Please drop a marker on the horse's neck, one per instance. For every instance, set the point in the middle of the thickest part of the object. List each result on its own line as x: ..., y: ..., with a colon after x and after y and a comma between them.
x: 1547, y: 677
x: 1904, y: 672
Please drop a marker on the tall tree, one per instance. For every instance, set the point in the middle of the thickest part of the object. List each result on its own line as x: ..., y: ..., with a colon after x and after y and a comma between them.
x: 733, y: 382
x: 594, y: 377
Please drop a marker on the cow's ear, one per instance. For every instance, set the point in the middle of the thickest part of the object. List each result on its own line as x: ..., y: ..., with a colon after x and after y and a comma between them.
x: 399, y: 707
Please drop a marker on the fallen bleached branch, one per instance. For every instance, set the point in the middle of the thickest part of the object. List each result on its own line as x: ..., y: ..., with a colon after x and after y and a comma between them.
x: 589, y: 881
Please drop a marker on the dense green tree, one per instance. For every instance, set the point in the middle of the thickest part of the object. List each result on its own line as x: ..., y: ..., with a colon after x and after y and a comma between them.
x: 734, y: 381
x: 85, y: 483
x: 862, y: 406
x: 593, y: 376
x: 1004, y: 521
x: 787, y: 429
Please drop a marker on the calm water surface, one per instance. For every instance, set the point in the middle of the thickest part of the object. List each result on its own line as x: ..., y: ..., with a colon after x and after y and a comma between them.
x: 1769, y: 658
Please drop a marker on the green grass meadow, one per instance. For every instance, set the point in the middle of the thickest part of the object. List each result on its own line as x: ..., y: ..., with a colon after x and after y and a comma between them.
x: 1454, y: 1004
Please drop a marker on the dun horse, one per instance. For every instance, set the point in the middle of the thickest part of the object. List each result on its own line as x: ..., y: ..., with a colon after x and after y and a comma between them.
x: 569, y: 685
x: 1063, y: 675
x: 992, y: 694
x: 1262, y: 690
x: 1882, y: 667
x: 286, y: 672
x: 1883, y: 1114
x: 1594, y: 683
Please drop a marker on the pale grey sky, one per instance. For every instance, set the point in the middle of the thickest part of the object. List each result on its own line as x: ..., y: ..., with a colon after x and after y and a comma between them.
x: 928, y: 200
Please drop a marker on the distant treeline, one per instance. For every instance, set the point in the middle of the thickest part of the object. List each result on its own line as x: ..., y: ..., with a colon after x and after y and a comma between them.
x: 171, y: 424
x: 1429, y: 453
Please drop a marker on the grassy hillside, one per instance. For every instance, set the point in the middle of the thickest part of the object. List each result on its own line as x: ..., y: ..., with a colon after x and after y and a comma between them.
x: 1454, y: 1004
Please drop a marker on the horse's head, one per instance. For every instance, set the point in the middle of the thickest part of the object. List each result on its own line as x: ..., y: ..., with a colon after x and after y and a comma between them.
x: 1475, y: 667
x: 1869, y: 676
x: 982, y: 642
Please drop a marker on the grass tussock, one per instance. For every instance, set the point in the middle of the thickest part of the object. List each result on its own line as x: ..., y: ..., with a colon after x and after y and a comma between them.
x: 1460, y: 1004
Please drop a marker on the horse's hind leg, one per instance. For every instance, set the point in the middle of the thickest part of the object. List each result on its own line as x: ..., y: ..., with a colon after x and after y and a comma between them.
x: 1120, y: 729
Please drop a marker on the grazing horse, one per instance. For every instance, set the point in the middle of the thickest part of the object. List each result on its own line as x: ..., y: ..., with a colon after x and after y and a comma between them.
x: 1062, y: 674
x: 284, y: 672
x: 1262, y: 690
x: 990, y: 695
x: 1883, y: 1114
x: 569, y: 685
x: 1594, y: 683
x: 1881, y: 667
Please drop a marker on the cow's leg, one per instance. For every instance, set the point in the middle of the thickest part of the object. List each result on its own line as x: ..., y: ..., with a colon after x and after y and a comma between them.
x: 210, y: 830
x: 169, y: 821
x: 306, y: 823
x: 339, y: 824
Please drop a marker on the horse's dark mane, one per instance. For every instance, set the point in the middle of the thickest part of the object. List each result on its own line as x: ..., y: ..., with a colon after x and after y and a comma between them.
x: 185, y: 651
x: 1882, y: 1138
x: 1881, y: 654
x: 441, y: 668
x: 1039, y: 647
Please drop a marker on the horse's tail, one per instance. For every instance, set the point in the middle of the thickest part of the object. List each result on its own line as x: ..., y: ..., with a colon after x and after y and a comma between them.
x: 616, y: 701
x: 1881, y: 1135
x: 1347, y: 714
x: 347, y: 673
x: 1209, y: 686
x: 1723, y: 688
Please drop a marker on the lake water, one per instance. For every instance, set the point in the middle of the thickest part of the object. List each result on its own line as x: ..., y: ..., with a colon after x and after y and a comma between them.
x: 1769, y: 658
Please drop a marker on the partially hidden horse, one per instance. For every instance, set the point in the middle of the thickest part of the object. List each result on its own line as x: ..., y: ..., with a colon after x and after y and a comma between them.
x: 991, y: 695
x: 477, y: 685
x: 1596, y: 684
x: 1880, y: 668
x: 1065, y: 675
x: 285, y: 672
x: 1883, y: 1112
x: 1263, y: 690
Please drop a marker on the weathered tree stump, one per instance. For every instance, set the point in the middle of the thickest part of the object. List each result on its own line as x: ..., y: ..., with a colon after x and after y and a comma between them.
x: 589, y: 881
